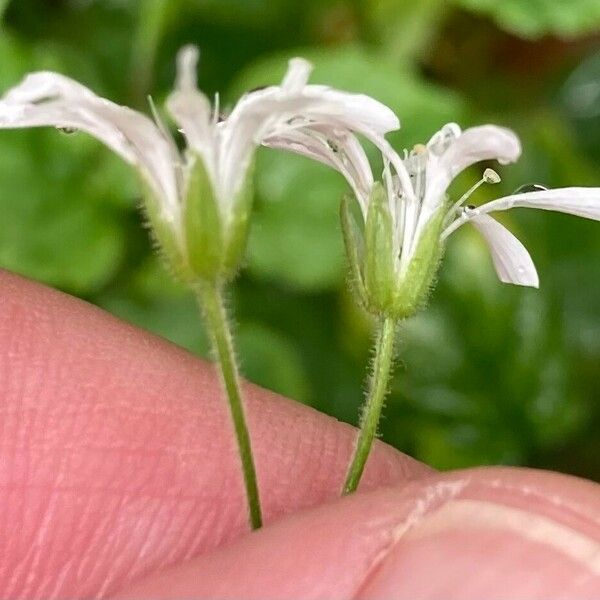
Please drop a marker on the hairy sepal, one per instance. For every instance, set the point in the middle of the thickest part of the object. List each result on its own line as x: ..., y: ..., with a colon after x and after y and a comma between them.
x: 355, y: 248
x: 164, y: 233
x: 412, y: 290
x: 202, y: 225
x: 379, y: 264
x: 236, y: 233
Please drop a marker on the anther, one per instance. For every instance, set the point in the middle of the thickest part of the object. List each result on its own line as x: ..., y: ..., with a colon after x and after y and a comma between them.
x: 490, y: 176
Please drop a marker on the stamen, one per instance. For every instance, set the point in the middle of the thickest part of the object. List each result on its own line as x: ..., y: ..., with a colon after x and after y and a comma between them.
x: 489, y: 176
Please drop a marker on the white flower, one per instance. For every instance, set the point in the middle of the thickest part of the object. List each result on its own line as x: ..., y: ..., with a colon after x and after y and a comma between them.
x: 264, y: 115
x: 421, y: 216
x: 511, y: 260
x: 219, y: 151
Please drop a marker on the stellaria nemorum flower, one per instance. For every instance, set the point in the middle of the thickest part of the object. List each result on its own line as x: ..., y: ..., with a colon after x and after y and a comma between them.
x: 396, y: 245
x: 395, y: 240
x: 198, y: 202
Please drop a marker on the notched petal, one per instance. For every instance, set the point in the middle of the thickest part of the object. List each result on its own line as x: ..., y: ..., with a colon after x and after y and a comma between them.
x: 487, y: 142
x: 578, y: 201
x: 512, y: 262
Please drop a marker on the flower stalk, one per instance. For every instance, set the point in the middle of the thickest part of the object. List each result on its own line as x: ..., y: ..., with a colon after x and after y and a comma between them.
x: 378, y: 389
x: 210, y: 299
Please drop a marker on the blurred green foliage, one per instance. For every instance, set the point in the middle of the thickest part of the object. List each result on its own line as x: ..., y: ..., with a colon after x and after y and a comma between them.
x: 489, y: 373
x: 535, y: 18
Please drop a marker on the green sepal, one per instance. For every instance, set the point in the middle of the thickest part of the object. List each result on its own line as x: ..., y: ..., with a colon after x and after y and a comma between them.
x: 237, y: 226
x: 379, y: 272
x: 202, y: 225
x: 355, y: 247
x: 163, y: 234
x: 413, y: 289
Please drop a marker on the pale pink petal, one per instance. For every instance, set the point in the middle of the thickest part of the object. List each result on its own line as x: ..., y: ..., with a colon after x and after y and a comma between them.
x: 578, y: 201
x: 192, y: 110
x: 487, y: 142
x: 339, y: 150
x: 275, y: 110
x: 511, y: 259
x: 50, y: 99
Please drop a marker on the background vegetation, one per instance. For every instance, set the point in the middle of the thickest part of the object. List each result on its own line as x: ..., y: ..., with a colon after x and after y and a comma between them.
x: 489, y: 373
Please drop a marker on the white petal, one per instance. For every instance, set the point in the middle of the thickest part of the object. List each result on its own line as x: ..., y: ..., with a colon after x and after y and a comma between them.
x: 297, y: 75
x: 187, y: 66
x: 272, y: 111
x: 191, y: 109
x: 579, y: 201
x: 50, y: 99
x: 355, y: 108
x: 487, y: 142
x: 442, y: 139
x: 511, y: 259
x: 342, y: 151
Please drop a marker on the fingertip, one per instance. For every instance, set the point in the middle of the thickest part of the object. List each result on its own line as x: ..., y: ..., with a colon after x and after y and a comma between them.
x: 484, y: 533
x: 125, y: 441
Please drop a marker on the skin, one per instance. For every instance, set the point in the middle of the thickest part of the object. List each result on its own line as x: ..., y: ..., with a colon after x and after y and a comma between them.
x: 119, y: 477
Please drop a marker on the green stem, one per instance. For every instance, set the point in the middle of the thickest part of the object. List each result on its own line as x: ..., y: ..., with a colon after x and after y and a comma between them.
x: 210, y: 296
x: 378, y: 386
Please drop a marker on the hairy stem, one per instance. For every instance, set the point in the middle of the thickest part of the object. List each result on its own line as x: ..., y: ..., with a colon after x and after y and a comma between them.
x: 210, y: 296
x: 378, y: 386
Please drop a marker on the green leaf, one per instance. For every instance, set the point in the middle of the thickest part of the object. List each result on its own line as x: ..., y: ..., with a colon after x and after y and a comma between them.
x: 535, y: 18
x: 3, y: 6
x: 295, y: 238
x: 58, y: 226
x: 270, y: 359
x: 64, y: 205
x: 407, y: 28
